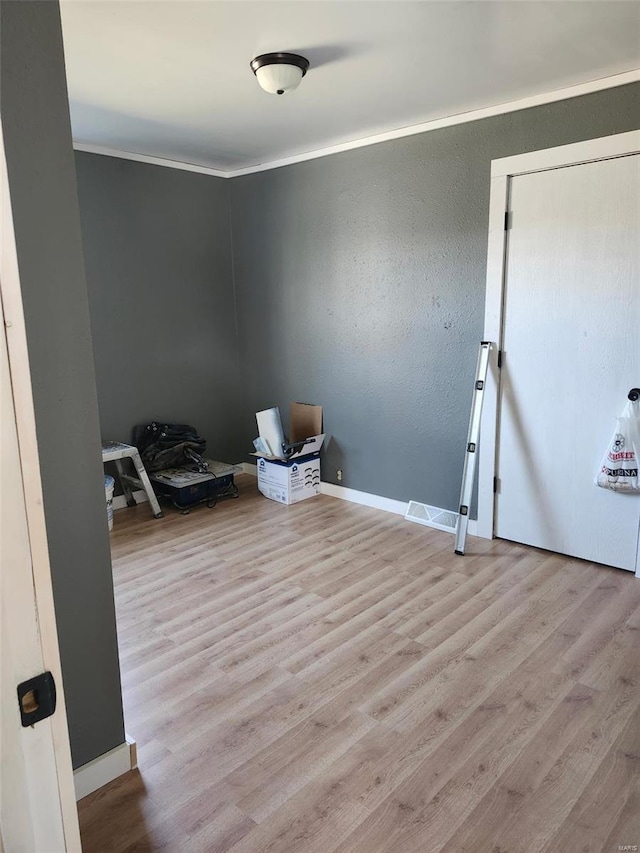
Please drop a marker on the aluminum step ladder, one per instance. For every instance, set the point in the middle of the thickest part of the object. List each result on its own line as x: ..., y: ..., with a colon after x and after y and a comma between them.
x: 116, y: 451
x: 471, y: 455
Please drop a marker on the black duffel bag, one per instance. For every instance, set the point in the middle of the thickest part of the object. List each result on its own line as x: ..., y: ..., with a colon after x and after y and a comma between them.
x: 170, y: 446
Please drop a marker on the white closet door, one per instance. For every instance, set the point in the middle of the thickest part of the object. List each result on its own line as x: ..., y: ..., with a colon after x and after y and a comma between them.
x: 571, y: 346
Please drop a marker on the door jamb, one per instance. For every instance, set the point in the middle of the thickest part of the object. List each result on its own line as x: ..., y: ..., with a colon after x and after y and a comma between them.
x: 502, y: 171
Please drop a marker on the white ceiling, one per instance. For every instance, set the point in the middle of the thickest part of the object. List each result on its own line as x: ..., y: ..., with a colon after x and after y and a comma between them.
x: 172, y: 79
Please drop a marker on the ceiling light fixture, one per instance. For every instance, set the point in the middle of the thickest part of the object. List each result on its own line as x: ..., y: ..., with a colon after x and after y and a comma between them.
x: 279, y: 72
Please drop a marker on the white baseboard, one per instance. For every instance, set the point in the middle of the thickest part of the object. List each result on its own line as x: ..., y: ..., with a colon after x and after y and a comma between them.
x: 105, y: 768
x: 133, y: 751
x: 362, y: 498
x: 351, y: 495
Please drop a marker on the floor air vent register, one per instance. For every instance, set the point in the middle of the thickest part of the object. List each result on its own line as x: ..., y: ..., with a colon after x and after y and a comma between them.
x: 432, y: 516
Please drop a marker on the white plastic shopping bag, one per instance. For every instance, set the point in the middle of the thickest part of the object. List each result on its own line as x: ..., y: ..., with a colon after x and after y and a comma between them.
x: 619, y: 469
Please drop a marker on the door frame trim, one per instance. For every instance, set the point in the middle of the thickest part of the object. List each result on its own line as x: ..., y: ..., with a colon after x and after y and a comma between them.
x: 502, y: 171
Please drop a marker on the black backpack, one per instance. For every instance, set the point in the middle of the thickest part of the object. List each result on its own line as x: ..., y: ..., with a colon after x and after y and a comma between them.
x: 170, y: 446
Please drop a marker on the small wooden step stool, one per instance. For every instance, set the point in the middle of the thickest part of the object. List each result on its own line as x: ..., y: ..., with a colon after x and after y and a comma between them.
x: 116, y: 451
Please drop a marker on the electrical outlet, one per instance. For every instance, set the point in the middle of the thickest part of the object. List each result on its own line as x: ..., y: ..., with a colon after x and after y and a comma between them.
x: 339, y: 474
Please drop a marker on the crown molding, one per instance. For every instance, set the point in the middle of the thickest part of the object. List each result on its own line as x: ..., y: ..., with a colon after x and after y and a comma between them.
x: 148, y: 158
x: 563, y: 94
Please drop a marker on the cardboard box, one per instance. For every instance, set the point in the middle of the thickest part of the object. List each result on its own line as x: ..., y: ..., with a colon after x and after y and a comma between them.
x: 291, y: 473
x: 305, y: 430
x: 289, y: 482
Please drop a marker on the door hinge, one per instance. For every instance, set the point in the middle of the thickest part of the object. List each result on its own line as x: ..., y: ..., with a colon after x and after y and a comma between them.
x: 37, y: 699
x: 499, y: 359
x: 508, y: 220
x: 496, y: 485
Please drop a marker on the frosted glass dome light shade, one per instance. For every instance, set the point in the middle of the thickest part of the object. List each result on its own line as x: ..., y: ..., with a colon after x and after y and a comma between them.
x: 278, y: 73
x: 279, y: 79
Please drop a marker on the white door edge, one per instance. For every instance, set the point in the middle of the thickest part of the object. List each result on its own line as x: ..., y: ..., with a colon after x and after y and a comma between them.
x: 15, y: 331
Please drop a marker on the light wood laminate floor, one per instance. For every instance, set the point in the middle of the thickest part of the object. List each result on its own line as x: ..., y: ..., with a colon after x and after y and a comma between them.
x: 328, y: 677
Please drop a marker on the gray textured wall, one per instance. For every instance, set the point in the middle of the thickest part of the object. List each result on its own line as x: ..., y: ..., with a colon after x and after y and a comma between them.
x: 37, y: 136
x: 360, y: 285
x: 157, y: 252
